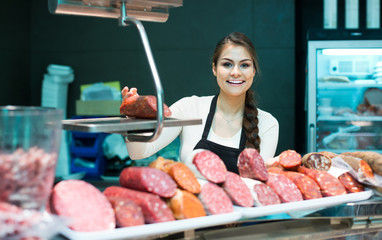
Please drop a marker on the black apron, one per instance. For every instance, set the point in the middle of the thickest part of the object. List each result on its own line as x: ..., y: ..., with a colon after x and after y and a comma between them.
x: 229, y: 155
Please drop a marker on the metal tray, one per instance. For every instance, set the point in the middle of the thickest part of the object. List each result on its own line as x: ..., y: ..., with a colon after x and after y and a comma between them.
x: 122, y: 124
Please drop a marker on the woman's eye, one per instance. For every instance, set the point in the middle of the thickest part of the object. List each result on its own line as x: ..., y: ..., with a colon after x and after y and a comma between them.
x: 227, y: 64
x: 245, y: 65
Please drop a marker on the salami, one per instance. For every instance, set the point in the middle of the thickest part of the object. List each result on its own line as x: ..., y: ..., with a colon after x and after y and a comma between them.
x: 186, y: 205
x: 134, y: 105
x: 210, y: 166
x: 265, y: 195
x: 149, y: 180
x: 316, y: 161
x: 285, y: 188
x: 359, y: 165
x: 290, y: 159
x: 251, y: 165
x: 350, y: 183
x: 237, y: 190
x: 184, y: 177
x: 84, y: 204
x: 154, y: 209
x: 127, y: 213
x: 214, y: 199
x: 275, y: 170
x: 307, y: 186
x: 329, y: 185
x: 374, y: 159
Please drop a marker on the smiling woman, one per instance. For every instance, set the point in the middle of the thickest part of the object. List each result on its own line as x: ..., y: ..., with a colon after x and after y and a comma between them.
x: 231, y: 120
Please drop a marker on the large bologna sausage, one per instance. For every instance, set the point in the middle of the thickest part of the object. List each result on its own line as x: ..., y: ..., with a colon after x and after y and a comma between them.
x: 329, y: 185
x: 252, y: 165
x: 186, y: 205
x: 148, y: 179
x: 237, y: 190
x: 127, y: 213
x: 134, y: 105
x: 215, y: 200
x: 84, y: 204
x: 210, y: 166
x: 285, y: 188
x: 154, y: 209
x: 308, y: 187
x: 290, y: 159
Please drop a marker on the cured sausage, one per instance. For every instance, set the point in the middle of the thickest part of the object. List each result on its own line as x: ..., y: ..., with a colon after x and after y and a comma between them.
x: 134, y: 105
x: 329, y: 185
x: 374, y: 159
x: 275, y: 170
x: 154, y: 209
x: 184, y: 177
x: 149, y: 180
x: 162, y: 164
x: 84, y: 204
x: 186, y: 205
x: 350, y: 183
x: 265, y: 195
x: 359, y: 165
x: 251, y: 165
x: 210, y: 166
x: 127, y: 213
x: 307, y: 186
x: 237, y: 190
x: 316, y: 161
x: 285, y: 188
x: 290, y: 159
x: 214, y: 199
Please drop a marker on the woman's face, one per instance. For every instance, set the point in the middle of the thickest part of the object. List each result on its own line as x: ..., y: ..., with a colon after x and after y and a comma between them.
x: 234, y: 70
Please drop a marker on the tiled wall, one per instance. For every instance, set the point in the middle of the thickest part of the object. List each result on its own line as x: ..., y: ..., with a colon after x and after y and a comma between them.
x: 99, y: 50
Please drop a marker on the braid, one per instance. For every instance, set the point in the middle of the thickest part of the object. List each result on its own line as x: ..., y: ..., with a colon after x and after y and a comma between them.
x: 250, y: 122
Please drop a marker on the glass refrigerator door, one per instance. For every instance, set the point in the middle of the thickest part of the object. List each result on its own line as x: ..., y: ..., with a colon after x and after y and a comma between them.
x: 345, y: 96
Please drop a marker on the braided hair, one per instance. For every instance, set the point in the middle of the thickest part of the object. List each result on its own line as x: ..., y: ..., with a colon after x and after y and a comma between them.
x: 250, y: 119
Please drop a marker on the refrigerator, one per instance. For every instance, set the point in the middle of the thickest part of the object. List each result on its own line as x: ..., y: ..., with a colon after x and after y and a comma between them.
x: 343, y: 99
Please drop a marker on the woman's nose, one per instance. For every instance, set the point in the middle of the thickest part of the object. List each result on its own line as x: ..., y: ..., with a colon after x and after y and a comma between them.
x: 236, y: 71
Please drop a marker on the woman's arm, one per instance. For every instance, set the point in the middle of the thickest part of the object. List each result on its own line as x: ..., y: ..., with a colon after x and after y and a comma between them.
x: 269, y: 137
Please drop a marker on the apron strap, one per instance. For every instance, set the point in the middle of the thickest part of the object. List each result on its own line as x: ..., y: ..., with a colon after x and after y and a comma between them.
x: 210, y: 117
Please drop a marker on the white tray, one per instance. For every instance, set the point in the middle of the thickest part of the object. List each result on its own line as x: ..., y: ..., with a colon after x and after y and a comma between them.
x: 253, y: 212
x: 154, y: 229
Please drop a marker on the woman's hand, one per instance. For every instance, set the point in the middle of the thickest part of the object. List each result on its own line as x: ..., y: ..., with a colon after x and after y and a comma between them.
x: 126, y: 93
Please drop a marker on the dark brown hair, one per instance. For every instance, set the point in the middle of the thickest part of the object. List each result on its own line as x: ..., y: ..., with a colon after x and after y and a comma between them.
x: 250, y: 120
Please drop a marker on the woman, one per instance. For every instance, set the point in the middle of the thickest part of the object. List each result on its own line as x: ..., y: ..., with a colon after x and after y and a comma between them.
x: 231, y: 120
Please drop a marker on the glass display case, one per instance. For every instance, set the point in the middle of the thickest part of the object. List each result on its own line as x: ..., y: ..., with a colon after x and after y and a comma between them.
x: 344, y: 95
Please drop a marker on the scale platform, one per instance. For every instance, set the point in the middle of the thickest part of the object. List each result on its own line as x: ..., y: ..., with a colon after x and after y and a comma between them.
x: 122, y: 125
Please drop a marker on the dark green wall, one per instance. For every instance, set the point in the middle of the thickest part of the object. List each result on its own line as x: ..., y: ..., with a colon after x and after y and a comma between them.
x: 99, y: 51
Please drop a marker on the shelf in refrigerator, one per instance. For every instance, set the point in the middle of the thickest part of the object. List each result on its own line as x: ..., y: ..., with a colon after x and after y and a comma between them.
x: 350, y: 118
x: 349, y: 85
x: 342, y: 150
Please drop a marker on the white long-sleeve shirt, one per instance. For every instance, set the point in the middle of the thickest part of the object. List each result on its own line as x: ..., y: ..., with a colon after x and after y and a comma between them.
x: 198, y: 107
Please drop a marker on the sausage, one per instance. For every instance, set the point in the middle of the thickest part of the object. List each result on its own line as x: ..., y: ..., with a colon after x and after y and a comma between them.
x: 184, y: 177
x: 149, y: 180
x: 316, y: 161
x: 275, y: 170
x: 290, y: 159
x: 210, y: 166
x: 307, y: 186
x: 214, y: 199
x: 154, y: 209
x: 84, y: 204
x: 186, y: 205
x: 134, y: 105
x: 374, y: 159
x: 237, y: 190
x: 359, y: 165
x: 127, y: 213
x: 265, y: 195
x: 285, y: 188
x: 350, y: 183
x: 162, y: 164
x: 329, y: 185
x: 251, y: 165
